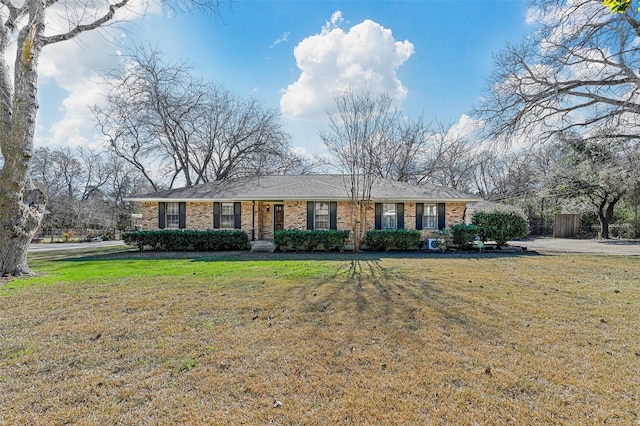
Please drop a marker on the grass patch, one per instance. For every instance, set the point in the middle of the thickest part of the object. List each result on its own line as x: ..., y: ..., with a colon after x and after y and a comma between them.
x: 119, y: 338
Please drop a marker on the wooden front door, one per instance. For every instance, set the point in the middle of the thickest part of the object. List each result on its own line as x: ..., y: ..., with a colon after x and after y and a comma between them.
x: 278, y: 217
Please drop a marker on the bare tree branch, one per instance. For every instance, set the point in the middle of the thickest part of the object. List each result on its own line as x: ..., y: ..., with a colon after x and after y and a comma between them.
x: 580, y: 69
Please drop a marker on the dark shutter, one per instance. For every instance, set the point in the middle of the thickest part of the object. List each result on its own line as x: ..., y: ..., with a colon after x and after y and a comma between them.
x: 378, y: 216
x: 419, y: 214
x: 400, y: 216
x: 237, y: 215
x: 161, y: 215
x: 311, y: 211
x: 182, y: 215
x: 216, y: 215
x: 441, y: 216
x: 333, y: 215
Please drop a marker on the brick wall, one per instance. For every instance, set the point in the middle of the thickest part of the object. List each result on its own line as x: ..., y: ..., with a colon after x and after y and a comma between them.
x: 200, y: 216
x: 149, y: 216
x: 246, y: 213
x: 295, y: 215
x: 264, y: 220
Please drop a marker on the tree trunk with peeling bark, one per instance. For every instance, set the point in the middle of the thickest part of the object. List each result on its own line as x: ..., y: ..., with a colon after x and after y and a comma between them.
x: 22, y: 205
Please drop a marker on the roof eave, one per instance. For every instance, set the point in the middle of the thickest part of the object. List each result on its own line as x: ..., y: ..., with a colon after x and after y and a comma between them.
x: 390, y: 200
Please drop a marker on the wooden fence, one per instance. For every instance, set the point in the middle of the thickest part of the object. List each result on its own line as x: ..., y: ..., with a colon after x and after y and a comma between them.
x: 566, y: 225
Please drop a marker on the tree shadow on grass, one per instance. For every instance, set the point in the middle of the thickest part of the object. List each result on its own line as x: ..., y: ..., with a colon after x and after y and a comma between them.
x: 367, y: 289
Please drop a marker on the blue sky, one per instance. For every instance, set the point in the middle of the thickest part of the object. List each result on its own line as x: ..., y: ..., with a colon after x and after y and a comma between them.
x: 441, y: 53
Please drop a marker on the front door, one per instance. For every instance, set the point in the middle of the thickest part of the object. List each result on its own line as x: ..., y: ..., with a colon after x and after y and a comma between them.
x: 278, y: 217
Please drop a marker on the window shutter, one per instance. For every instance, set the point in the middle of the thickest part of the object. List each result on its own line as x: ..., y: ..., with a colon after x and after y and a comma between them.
x: 400, y: 216
x: 311, y: 211
x: 441, y: 216
x: 161, y: 215
x: 237, y: 215
x: 182, y: 215
x: 333, y: 215
x: 378, y: 216
x: 216, y: 215
x: 419, y: 214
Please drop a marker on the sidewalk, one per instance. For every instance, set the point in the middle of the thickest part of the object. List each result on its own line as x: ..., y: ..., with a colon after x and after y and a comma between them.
x: 39, y: 247
x: 568, y: 245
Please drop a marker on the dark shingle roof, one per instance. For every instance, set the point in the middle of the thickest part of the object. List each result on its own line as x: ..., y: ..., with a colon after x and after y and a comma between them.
x: 302, y: 187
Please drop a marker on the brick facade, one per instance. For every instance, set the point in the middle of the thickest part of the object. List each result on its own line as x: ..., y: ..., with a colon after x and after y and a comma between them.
x: 199, y: 216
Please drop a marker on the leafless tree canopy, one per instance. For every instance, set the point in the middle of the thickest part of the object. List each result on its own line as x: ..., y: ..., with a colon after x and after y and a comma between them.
x: 579, y: 71
x: 85, y: 187
x: 158, y: 117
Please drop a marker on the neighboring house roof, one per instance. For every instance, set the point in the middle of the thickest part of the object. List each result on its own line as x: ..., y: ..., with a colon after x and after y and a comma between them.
x: 303, y: 187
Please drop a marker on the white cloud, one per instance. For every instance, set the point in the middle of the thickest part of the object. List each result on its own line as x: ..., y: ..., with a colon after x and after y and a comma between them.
x: 334, y: 60
x: 283, y: 39
x: 75, y: 127
x: 465, y: 127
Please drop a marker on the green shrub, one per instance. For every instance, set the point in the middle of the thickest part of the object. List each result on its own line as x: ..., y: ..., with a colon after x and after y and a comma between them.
x: 396, y: 239
x: 295, y: 239
x: 463, y: 235
x: 500, y: 226
x: 174, y: 240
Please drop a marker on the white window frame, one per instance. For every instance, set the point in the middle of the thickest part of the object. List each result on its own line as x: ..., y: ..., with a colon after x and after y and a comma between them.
x: 389, y: 216
x: 172, y: 215
x: 227, y: 216
x: 430, y: 216
x: 321, y: 215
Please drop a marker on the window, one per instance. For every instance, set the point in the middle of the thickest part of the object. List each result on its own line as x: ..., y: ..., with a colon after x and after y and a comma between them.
x: 173, y: 215
x: 430, y: 220
x: 227, y: 215
x: 227, y: 220
x: 321, y: 218
x: 388, y: 216
x: 322, y: 214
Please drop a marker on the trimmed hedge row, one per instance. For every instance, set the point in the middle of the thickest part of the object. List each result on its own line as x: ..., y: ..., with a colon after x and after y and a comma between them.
x: 174, y: 240
x: 393, y: 239
x: 294, y: 239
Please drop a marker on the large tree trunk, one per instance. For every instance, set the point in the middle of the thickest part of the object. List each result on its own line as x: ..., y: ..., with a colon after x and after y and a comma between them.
x: 21, y: 204
x: 20, y: 215
x: 605, y: 214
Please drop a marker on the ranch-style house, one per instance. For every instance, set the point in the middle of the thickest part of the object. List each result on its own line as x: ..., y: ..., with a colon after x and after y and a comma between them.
x: 260, y: 205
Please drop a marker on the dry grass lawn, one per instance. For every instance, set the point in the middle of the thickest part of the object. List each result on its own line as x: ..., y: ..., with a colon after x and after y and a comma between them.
x: 419, y: 339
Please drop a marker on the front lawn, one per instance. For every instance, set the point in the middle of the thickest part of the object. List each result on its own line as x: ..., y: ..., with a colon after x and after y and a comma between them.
x: 347, y: 339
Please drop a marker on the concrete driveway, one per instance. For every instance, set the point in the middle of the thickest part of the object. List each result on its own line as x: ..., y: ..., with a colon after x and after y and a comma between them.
x: 38, y: 247
x: 568, y: 245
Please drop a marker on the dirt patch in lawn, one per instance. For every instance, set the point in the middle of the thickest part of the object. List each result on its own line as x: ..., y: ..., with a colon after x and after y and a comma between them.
x: 382, y: 340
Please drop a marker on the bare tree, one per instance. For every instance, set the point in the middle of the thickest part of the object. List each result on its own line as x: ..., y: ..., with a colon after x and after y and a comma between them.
x: 23, y: 205
x: 151, y: 116
x: 158, y: 117
x: 579, y: 71
x: 239, y: 137
x: 81, y: 184
x: 359, y: 137
x: 450, y: 157
x: 408, y: 158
